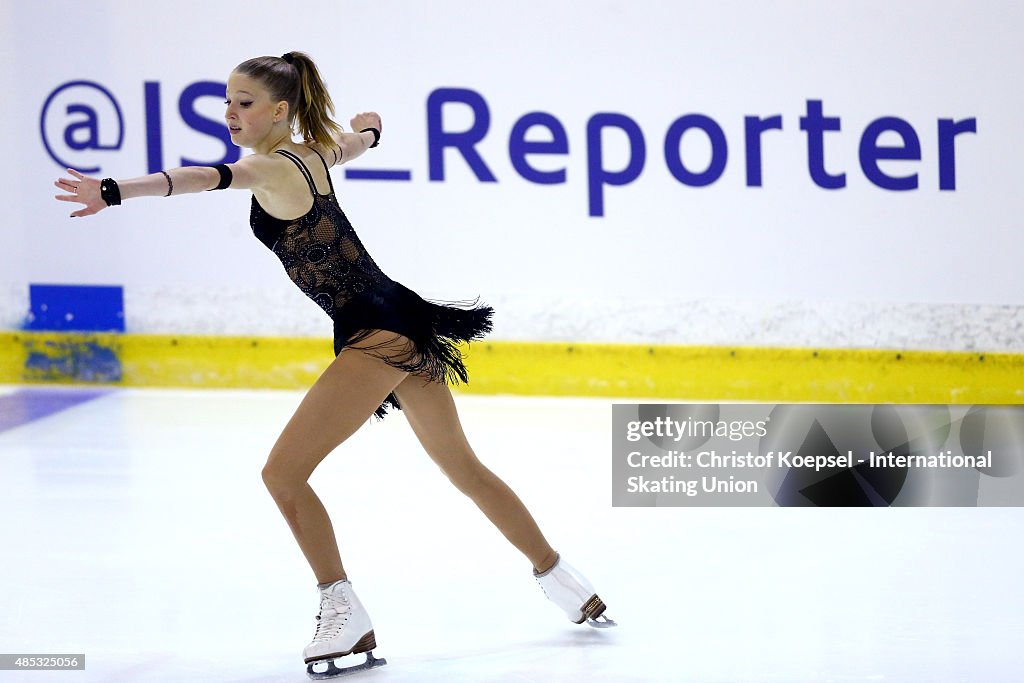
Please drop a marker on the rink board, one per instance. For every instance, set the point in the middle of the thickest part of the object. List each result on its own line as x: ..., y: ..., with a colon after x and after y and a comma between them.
x: 535, y: 368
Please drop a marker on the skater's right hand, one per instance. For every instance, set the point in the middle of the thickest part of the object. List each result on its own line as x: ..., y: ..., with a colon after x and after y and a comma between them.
x: 84, y: 190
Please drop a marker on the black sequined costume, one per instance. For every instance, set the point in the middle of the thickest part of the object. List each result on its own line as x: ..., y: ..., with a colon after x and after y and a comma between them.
x: 323, y: 256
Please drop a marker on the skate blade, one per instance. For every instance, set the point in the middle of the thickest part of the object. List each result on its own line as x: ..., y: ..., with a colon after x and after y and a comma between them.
x: 334, y: 671
x: 601, y: 622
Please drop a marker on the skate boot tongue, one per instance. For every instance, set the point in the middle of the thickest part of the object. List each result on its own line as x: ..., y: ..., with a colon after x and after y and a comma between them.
x: 328, y: 611
x: 335, y: 610
x: 334, y: 605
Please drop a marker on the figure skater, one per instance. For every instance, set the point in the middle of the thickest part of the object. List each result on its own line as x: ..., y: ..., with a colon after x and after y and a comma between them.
x: 393, y: 349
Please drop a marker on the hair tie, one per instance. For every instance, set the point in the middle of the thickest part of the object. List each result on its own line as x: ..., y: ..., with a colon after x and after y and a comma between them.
x: 287, y: 56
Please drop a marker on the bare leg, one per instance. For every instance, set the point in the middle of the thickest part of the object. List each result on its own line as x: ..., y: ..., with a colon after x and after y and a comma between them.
x: 340, y: 401
x: 431, y: 412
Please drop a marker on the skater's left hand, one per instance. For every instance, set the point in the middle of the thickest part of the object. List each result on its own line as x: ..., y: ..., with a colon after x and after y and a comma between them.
x: 84, y: 190
x: 367, y: 119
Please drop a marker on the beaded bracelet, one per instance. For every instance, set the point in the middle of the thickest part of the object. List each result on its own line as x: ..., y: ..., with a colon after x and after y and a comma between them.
x: 170, y: 183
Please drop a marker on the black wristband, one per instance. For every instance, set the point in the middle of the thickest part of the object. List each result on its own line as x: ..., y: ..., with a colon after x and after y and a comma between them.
x: 110, y: 192
x: 376, y: 135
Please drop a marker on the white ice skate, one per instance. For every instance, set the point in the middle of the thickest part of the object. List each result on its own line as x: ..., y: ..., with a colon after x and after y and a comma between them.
x: 571, y: 591
x: 342, y: 628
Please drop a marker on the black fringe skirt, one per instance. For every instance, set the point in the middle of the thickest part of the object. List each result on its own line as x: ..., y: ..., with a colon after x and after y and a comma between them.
x: 433, y: 328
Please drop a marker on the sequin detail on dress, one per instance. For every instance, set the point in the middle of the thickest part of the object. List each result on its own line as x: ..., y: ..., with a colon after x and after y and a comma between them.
x: 323, y: 256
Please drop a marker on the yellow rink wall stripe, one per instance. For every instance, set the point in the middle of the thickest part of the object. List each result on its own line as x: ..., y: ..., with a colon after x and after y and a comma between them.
x: 710, y: 373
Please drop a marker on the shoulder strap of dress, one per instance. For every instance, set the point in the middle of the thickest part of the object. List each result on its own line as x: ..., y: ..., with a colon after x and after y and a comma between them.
x: 326, y: 170
x: 302, y: 168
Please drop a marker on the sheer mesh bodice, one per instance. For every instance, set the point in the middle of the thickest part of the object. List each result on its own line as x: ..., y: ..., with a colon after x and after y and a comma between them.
x: 320, y: 251
x: 323, y: 256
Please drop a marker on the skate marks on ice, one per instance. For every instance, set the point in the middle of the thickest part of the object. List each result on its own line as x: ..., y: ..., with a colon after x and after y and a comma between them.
x: 565, y: 656
x: 560, y: 656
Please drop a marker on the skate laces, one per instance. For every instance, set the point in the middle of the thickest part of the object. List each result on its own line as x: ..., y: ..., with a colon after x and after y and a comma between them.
x: 334, y: 612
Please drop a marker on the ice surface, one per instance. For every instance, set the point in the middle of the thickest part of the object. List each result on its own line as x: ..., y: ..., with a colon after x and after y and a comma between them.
x: 135, y: 528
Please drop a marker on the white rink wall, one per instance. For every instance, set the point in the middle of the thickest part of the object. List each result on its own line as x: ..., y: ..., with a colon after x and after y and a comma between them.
x: 661, y: 258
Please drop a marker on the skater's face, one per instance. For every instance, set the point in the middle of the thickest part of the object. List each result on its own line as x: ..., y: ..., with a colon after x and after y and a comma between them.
x: 251, y: 114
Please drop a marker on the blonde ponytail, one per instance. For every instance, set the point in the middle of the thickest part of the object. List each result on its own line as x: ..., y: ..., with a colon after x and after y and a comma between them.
x: 295, y: 79
x: 315, y: 109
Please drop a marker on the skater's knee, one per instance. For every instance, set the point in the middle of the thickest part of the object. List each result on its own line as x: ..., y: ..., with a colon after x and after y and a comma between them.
x: 271, y: 480
x: 280, y: 485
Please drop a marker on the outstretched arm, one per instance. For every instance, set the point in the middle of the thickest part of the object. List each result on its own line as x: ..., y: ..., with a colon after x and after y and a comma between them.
x: 248, y: 173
